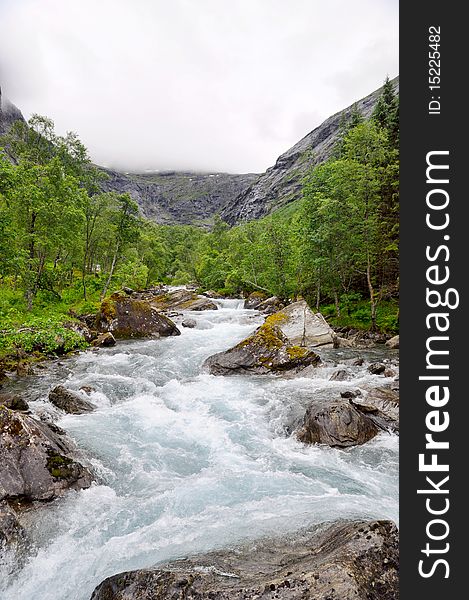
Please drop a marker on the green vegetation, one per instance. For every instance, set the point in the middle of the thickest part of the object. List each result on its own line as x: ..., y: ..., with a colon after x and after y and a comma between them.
x: 65, y: 244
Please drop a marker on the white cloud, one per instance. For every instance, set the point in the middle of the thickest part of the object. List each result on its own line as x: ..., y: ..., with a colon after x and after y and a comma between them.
x: 193, y: 84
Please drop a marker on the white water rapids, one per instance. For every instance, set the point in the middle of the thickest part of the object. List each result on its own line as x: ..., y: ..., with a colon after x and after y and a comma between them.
x: 188, y: 462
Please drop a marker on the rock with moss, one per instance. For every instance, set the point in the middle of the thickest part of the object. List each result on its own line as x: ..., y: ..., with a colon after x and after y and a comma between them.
x: 182, y: 299
x: 14, y: 402
x: 126, y: 318
x: 268, y: 350
x: 37, y: 462
x: 69, y: 401
x: 343, y: 560
x: 338, y: 423
x: 254, y: 299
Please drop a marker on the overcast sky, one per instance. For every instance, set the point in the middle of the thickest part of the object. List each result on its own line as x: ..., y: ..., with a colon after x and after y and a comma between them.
x: 193, y: 84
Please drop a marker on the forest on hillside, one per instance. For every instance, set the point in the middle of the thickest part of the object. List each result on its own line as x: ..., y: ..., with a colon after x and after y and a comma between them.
x: 65, y: 244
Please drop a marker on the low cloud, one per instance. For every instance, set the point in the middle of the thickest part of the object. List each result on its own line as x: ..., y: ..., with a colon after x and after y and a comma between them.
x: 204, y: 85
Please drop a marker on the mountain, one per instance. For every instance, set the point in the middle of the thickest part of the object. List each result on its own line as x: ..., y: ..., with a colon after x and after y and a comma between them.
x: 176, y: 197
x: 282, y: 183
x: 8, y: 114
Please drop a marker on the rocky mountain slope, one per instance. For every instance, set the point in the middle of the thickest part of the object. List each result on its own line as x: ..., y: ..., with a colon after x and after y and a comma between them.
x: 282, y: 183
x: 8, y: 114
x: 180, y: 197
x: 174, y: 197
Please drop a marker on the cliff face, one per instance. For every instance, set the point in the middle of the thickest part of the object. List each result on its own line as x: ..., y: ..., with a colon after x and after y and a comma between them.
x: 9, y: 113
x: 282, y: 183
x: 180, y: 197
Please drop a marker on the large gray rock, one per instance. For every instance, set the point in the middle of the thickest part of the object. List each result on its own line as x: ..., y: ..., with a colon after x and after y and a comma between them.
x: 381, y: 405
x: 338, y: 423
x: 126, y: 317
x: 393, y: 343
x: 70, y: 402
x: 183, y: 299
x: 268, y: 350
x: 345, y: 560
x: 254, y: 299
x: 303, y: 327
x: 36, y: 462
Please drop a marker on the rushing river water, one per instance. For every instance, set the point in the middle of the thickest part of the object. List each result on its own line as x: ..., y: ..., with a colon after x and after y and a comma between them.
x: 188, y: 462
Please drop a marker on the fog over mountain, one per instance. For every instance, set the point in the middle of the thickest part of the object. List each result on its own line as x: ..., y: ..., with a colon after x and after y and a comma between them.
x: 206, y: 85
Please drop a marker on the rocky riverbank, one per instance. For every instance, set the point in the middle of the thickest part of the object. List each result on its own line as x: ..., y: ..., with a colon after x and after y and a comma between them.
x: 350, y: 560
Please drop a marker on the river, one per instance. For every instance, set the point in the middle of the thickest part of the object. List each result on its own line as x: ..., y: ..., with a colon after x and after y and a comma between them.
x: 188, y: 462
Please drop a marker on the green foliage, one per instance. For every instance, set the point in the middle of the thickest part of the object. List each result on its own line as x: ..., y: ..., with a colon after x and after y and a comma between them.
x: 64, y: 243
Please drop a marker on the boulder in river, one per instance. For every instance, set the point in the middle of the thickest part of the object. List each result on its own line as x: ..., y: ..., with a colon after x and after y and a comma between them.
x: 126, y: 317
x: 36, y: 462
x: 189, y: 323
x: 267, y: 350
x: 14, y: 402
x: 393, y: 343
x: 338, y: 423
x: 345, y: 560
x: 104, y: 340
x: 270, y: 305
x: 254, y: 299
x: 70, y: 402
x: 182, y: 299
x: 377, y: 368
x: 303, y: 327
x: 381, y: 405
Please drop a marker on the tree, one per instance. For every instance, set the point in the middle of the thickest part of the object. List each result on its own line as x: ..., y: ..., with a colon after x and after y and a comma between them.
x: 126, y: 225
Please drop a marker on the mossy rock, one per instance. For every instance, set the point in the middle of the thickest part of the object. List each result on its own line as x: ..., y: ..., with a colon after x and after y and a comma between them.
x: 267, y: 350
x: 127, y: 317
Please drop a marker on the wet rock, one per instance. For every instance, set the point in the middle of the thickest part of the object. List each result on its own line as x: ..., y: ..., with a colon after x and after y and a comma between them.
x: 339, y: 375
x: 393, y: 343
x: 381, y: 404
x: 13, y: 541
x: 189, y: 323
x: 270, y: 305
x: 126, y: 317
x: 338, y: 423
x: 254, y: 299
x: 350, y: 394
x: 182, y: 299
x: 212, y: 294
x: 14, y: 402
x: 303, y: 327
x: 268, y: 350
x: 35, y: 462
x: 70, y: 402
x: 345, y: 560
x: 88, y: 389
x: 376, y: 368
x: 24, y: 369
x: 104, y: 340
x: 202, y: 304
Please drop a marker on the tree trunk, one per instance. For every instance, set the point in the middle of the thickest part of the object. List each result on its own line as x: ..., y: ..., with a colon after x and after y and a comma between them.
x: 336, y: 302
x: 371, y: 291
x: 111, y: 273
